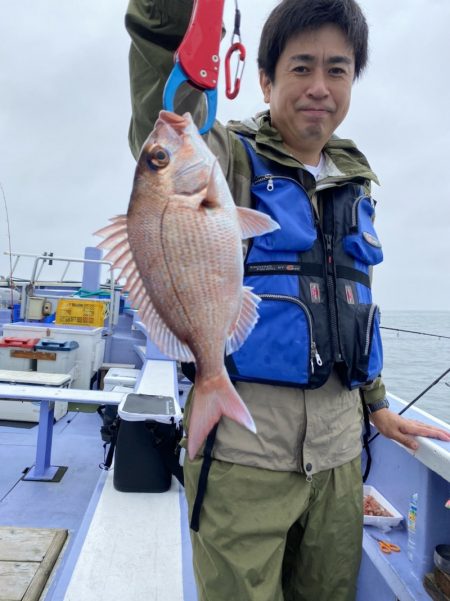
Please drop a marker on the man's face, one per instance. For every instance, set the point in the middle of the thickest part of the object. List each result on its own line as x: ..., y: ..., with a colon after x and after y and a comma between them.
x: 311, y: 93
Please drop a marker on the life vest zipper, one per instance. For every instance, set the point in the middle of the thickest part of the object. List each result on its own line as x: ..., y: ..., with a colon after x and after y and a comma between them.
x: 314, y: 353
x: 373, y: 309
x: 268, y: 178
x: 328, y: 245
x: 270, y: 185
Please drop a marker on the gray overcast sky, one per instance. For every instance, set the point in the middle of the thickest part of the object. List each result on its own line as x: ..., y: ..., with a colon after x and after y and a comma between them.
x: 65, y: 165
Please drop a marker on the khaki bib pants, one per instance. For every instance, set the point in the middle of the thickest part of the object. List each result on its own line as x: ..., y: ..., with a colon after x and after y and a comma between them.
x: 274, y: 536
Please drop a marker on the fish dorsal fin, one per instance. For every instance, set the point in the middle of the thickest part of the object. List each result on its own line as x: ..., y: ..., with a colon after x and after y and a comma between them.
x: 122, y: 258
x: 254, y: 223
x: 246, y: 321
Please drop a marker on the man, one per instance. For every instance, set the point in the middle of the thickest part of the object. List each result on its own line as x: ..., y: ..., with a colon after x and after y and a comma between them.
x: 282, y: 513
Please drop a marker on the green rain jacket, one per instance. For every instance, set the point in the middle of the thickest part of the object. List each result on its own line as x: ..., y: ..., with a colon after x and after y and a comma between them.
x: 297, y: 430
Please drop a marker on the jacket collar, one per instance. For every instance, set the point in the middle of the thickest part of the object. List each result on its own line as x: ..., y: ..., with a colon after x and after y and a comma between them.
x: 343, y: 159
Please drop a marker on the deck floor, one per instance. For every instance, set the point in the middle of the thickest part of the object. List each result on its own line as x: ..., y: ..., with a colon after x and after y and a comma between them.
x: 77, y: 444
x: 85, y: 504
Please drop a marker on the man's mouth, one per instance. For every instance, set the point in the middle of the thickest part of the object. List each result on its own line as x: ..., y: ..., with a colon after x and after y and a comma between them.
x: 315, y: 112
x: 315, y: 109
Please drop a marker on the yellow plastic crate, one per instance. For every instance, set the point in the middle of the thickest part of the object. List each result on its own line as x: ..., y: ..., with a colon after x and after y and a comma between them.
x: 76, y: 312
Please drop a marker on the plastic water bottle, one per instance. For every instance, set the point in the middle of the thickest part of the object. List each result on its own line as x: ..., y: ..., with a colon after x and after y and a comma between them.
x: 412, y: 518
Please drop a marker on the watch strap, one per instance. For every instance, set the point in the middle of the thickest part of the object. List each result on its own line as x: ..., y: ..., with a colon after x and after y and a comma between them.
x: 384, y: 404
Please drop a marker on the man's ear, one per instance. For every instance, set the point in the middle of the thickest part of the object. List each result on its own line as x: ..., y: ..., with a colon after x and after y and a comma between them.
x: 266, y: 85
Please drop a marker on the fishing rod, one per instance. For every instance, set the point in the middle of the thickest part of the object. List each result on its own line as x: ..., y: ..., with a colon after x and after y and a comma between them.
x: 416, y: 399
x: 11, y: 284
x: 415, y: 332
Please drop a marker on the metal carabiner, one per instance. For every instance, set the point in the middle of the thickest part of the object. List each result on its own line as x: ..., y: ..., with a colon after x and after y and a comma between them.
x: 236, y: 47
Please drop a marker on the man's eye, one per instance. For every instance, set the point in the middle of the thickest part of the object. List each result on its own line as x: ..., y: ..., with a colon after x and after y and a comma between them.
x: 337, y: 71
x: 301, y: 69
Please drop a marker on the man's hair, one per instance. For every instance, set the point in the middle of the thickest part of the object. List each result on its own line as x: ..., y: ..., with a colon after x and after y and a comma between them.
x: 292, y: 17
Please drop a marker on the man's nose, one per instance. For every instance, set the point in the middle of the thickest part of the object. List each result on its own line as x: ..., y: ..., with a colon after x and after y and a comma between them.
x: 318, y: 85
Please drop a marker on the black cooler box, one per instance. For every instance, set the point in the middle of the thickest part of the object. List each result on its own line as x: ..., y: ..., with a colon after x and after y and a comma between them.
x: 148, y: 433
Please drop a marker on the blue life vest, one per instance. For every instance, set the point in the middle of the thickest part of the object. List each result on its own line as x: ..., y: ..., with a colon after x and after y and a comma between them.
x: 316, y: 310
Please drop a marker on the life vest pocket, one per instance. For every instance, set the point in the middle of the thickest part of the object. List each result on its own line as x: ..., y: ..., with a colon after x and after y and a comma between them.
x: 362, y: 242
x: 286, y: 201
x: 369, y: 349
x: 281, y: 347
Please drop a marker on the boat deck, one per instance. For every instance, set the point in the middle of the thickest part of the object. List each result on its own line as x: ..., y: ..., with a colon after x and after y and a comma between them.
x: 136, y: 545
x: 76, y: 443
x: 107, y: 530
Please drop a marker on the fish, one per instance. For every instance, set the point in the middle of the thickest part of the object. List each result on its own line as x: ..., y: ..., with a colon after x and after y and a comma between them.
x: 179, y: 250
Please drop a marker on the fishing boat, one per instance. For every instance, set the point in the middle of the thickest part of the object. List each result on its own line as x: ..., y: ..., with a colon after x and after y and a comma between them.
x: 71, y: 530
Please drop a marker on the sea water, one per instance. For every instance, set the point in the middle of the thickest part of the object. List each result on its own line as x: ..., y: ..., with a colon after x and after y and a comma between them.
x: 413, y: 361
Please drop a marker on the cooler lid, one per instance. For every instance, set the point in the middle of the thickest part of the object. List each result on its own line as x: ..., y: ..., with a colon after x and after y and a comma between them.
x: 48, y: 344
x: 141, y: 407
x: 14, y: 342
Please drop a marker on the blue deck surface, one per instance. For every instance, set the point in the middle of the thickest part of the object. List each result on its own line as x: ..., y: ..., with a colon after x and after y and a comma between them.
x: 77, y: 444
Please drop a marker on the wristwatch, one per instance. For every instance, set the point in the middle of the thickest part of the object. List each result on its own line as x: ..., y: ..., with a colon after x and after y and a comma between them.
x: 384, y: 404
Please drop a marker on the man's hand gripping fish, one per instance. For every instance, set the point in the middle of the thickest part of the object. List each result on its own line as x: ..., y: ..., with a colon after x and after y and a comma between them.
x: 179, y: 249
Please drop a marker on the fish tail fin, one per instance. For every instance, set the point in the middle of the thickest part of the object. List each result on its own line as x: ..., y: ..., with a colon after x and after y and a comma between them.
x: 213, y: 398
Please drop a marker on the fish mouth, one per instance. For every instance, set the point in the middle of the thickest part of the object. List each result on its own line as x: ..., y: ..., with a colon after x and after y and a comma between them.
x: 170, y: 129
x: 176, y: 121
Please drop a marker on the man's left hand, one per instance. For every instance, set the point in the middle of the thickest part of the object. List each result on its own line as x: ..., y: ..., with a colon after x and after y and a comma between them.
x: 403, y: 430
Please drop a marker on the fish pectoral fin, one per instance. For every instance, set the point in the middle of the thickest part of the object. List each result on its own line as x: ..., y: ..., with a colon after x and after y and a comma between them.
x: 246, y: 321
x: 254, y: 223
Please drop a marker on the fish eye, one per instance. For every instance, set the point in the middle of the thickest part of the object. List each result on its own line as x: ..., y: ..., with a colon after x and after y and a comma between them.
x: 158, y: 158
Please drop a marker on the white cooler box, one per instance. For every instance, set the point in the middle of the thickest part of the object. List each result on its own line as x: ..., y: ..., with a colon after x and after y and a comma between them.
x: 8, y: 346
x: 28, y: 411
x: 120, y: 376
x: 57, y: 356
x: 91, y: 345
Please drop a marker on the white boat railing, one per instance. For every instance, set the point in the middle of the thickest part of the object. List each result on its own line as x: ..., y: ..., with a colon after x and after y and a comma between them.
x: 41, y: 260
